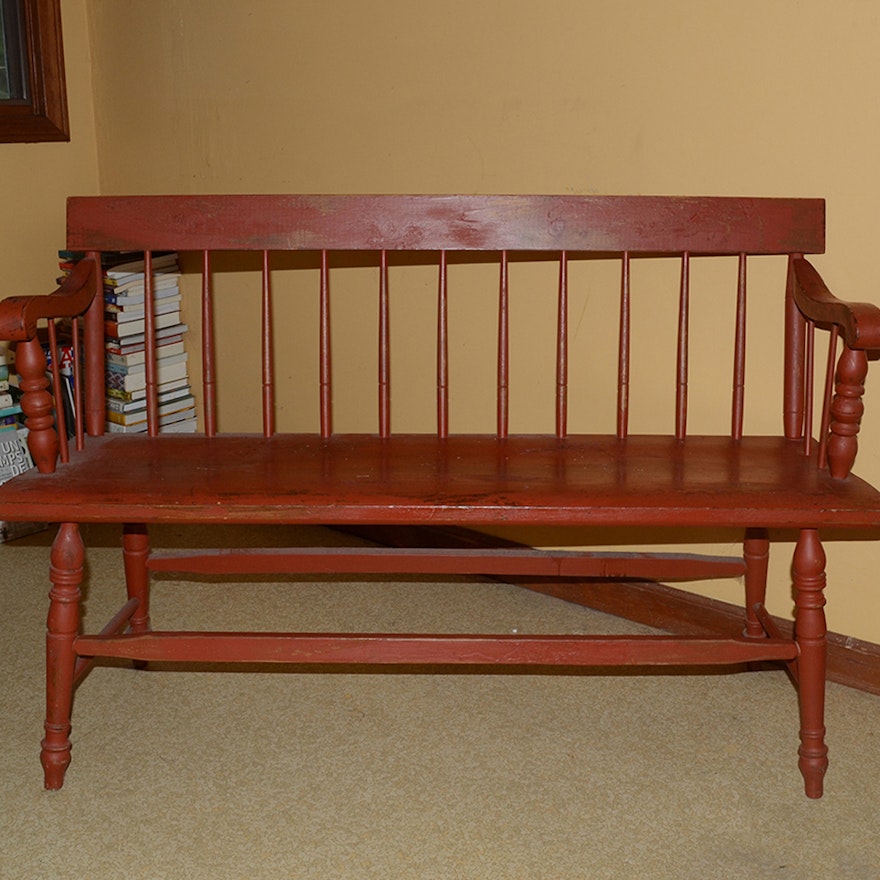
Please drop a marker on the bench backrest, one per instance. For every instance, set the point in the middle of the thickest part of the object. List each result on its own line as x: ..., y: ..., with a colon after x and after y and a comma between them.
x: 442, y: 228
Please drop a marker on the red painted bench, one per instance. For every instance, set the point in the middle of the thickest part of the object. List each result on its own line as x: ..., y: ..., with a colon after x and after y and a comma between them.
x: 608, y: 477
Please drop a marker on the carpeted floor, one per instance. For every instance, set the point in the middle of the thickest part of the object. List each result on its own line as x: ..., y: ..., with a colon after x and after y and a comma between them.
x: 277, y: 775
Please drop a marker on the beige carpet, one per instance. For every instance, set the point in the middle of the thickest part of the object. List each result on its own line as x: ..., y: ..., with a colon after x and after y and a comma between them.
x: 276, y: 775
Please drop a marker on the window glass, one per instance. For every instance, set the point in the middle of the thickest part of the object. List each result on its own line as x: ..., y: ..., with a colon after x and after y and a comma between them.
x: 13, y: 83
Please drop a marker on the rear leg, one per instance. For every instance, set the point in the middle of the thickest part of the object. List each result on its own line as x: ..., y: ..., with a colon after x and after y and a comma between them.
x: 135, y: 552
x: 756, y: 552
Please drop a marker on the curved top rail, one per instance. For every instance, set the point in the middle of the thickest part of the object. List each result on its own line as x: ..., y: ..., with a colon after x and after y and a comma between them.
x: 637, y: 224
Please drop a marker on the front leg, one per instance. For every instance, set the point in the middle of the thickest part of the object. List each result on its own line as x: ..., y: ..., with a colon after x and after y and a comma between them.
x: 66, y: 574
x: 809, y: 582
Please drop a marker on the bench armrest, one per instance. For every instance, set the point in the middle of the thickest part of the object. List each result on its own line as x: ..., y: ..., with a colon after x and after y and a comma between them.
x: 859, y: 325
x: 859, y: 322
x: 19, y: 314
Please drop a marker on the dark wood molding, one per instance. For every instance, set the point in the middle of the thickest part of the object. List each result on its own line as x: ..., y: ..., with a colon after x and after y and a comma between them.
x: 42, y: 115
x: 851, y: 662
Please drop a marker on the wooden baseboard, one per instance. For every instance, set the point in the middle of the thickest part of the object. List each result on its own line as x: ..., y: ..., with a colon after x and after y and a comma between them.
x: 851, y: 662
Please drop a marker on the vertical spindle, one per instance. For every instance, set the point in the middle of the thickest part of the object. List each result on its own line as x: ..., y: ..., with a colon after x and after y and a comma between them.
x: 443, y: 349
x: 59, y: 391
x: 623, y: 352
x: 562, y: 349
x: 78, y: 397
x: 268, y: 365
x: 847, y: 410
x: 209, y: 377
x: 384, y: 350
x: 503, y: 349
x: 833, y: 338
x: 95, y: 382
x: 324, y: 353
x: 681, y: 383
x: 37, y: 404
x: 149, y: 347
x: 793, y: 401
x: 739, y: 353
x: 809, y: 374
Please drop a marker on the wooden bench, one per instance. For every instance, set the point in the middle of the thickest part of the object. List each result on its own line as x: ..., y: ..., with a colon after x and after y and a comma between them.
x: 609, y: 476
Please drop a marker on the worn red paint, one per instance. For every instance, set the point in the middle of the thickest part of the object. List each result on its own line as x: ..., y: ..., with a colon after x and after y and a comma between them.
x: 621, y: 480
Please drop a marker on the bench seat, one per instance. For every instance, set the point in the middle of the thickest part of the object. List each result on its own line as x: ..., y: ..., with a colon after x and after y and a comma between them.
x: 419, y: 478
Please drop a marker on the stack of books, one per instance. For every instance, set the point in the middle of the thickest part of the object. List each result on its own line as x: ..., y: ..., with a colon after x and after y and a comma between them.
x: 15, y: 458
x: 10, y: 409
x: 124, y: 330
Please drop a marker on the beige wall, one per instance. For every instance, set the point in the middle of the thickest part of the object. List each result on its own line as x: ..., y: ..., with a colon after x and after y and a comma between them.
x: 35, y: 179
x: 609, y: 96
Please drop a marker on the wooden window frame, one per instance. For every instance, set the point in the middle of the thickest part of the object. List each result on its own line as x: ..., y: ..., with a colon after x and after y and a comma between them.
x: 42, y: 115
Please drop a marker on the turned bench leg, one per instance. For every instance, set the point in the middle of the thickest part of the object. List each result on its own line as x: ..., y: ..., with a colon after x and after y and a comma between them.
x: 66, y: 574
x: 809, y: 583
x: 756, y: 552
x: 135, y: 550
